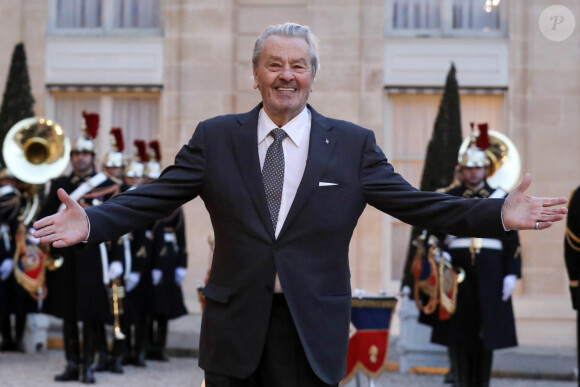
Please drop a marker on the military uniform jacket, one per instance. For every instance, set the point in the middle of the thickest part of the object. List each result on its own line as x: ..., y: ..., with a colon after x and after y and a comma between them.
x: 76, y: 289
x: 572, y: 246
x: 480, y: 311
x: 170, y: 252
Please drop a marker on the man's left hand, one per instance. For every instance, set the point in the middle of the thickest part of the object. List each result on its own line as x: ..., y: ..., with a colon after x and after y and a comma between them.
x: 523, y: 212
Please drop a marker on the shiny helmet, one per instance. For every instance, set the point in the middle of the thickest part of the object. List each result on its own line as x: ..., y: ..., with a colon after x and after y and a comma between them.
x: 475, y: 156
x: 153, y: 166
x: 89, y: 130
x: 114, y: 158
x: 136, y: 167
x: 494, y: 150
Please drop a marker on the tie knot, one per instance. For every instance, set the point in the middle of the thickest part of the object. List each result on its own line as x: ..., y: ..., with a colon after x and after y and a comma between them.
x: 278, y: 134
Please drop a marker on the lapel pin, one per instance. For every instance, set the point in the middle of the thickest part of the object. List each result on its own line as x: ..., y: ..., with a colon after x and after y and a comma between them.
x: 327, y: 141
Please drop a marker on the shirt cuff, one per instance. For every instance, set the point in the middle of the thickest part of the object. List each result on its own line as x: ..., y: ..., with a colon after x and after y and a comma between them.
x: 501, y: 214
x: 88, y: 233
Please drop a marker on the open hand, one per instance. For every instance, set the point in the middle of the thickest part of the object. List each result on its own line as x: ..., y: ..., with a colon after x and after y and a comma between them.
x: 65, y: 228
x: 523, y: 212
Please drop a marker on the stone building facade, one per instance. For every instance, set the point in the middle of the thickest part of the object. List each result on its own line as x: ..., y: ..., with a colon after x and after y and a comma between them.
x: 194, y: 63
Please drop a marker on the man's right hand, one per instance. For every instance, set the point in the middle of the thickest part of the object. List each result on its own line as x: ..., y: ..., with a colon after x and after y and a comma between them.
x: 65, y: 228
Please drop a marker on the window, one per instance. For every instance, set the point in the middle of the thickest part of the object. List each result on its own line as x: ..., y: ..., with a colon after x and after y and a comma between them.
x: 446, y: 18
x: 100, y: 17
x: 136, y: 113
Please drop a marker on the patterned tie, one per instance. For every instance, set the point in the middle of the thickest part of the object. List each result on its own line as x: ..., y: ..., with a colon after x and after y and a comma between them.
x: 273, y: 174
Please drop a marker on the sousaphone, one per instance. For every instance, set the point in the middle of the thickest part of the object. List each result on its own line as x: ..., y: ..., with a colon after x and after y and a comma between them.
x: 35, y: 150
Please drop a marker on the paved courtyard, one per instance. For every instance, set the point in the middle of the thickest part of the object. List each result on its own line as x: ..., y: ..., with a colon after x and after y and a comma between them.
x: 19, y: 370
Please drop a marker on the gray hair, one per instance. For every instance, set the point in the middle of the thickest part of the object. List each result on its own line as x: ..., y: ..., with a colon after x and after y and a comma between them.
x: 288, y: 30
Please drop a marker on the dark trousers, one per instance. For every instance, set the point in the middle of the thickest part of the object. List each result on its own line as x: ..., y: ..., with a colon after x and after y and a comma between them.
x: 283, y: 363
x: 472, y: 364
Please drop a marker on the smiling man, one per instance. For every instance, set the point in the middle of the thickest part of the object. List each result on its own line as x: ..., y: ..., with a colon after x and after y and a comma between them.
x: 284, y: 187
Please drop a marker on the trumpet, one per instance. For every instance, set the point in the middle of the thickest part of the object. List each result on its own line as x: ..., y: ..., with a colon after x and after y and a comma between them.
x: 116, y: 294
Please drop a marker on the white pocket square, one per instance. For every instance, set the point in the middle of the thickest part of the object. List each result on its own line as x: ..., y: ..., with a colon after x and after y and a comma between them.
x: 325, y: 184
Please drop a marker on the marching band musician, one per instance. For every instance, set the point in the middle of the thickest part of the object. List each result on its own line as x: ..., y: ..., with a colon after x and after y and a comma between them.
x: 113, y: 165
x: 13, y: 298
x: 76, y: 291
x: 135, y: 249
x: 572, y: 257
x: 483, y: 319
x: 169, y: 262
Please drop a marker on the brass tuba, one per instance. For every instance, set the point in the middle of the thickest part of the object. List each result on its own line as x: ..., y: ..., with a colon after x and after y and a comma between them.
x: 505, y: 165
x: 35, y: 150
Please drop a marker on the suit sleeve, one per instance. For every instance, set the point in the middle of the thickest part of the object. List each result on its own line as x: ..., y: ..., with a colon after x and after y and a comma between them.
x: 386, y: 190
x: 572, y: 245
x: 179, y: 183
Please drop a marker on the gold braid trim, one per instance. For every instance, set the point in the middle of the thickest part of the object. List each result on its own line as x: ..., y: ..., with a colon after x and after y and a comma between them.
x: 572, y: 240
x: 574, y: 284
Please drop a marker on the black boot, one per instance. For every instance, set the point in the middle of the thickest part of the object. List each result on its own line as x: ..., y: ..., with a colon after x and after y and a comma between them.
x: 104, y: 360
x: 89, y: 341
x: 70, y: 334
x: 20, y: 325
x: 143, y: 329
x: 162, y: 324
x: 71, y: 373
x: 116, y: 366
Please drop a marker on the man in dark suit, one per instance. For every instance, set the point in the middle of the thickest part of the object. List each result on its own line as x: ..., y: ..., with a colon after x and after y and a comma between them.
x: 572, y: 258
x: 284, y: 187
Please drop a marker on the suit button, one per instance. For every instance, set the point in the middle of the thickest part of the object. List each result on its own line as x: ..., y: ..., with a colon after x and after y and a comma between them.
x: 269, y: 288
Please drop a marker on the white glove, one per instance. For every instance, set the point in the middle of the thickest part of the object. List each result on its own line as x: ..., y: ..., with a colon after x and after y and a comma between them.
x: 132, y: 281
x: 156, y: 275
x: 6, y: 268
x: 115, y: 270
x: 179, y: 275
x: 509, y: 283
x: 31, y: 238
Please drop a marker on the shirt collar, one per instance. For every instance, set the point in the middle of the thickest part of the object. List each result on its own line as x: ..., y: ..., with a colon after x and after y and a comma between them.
x: 295, y: 128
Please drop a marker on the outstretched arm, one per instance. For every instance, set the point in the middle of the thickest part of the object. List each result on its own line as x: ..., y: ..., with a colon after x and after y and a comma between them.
x: 65, y: 228
x: 523, y: 212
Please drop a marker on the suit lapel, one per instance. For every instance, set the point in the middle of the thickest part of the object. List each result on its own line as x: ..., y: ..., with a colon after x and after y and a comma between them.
x: 245, y: 140
x: 322, y: 143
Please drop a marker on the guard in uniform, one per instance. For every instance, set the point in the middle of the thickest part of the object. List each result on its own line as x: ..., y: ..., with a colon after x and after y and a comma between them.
x: 76, y: 291
x: 483, y: 319
x: 113, y: 165
x: 572, y: 256
x: 12, y: 295
x: 134, y: 249
x: 169, y: 268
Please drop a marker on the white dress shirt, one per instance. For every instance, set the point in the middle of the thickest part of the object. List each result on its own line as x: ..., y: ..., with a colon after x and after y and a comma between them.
x: 295, y: 147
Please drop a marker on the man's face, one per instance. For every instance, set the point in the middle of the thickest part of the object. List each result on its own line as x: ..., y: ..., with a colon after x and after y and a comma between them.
x: 133, y: 181
x: 284, y: 76
x: 472, y: 177
x: 82, y: 162
x: 114, y: 171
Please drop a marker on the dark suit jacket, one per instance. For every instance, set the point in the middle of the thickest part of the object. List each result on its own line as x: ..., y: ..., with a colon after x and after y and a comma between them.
x: 572, y: 247
x: 220, y: 164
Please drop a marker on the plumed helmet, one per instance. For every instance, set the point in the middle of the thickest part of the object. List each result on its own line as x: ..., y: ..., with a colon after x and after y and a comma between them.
x: 153, y: 166
x: 475, y: 155
x: 136, y: 167
x: 114, y: 158
x: 89, y: 130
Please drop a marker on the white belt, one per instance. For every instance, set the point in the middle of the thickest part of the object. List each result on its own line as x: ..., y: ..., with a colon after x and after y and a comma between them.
x: 465, y: 243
